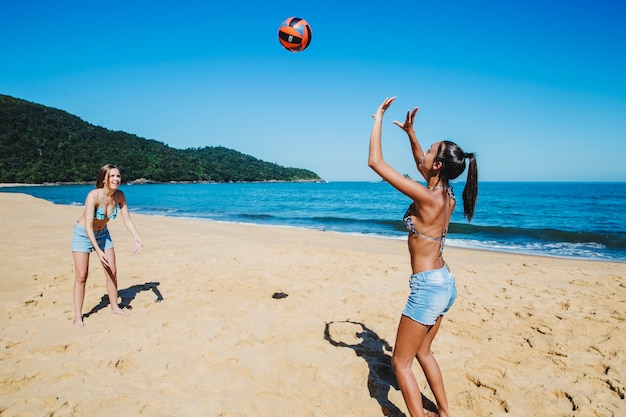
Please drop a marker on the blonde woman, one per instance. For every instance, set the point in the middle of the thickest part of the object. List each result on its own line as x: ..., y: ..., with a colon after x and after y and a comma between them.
x: 91, y: 234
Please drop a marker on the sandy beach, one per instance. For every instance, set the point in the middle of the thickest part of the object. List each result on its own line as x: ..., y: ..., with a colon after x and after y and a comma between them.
x: 244, y: 320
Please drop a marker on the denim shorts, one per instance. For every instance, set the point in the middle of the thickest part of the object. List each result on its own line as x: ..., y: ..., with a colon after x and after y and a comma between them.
x: 81, y: 242
x: 432, y: 294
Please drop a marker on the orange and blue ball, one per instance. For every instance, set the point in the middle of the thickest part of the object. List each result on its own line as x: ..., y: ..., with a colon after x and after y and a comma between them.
x: 295, y: 34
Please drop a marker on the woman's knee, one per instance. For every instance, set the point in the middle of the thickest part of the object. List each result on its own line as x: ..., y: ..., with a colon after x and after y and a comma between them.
x: 81, y: 267
x: 423, y: 354
x: 399, y: 362
x: 81, y: 277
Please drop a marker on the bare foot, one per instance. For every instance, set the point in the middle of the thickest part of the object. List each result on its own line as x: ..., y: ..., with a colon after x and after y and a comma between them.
x: 119, y: 311
x: 78, y: 323
x: 428, y: 413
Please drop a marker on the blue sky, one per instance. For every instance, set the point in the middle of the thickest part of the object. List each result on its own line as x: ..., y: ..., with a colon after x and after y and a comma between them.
x: 536, y: 88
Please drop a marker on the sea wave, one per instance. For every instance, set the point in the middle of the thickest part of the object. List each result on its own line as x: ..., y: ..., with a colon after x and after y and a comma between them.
x: 556, y: 219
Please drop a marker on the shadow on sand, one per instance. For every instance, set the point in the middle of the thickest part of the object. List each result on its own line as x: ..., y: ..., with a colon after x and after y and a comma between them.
x: 128, y: 295
x: 381, y: 377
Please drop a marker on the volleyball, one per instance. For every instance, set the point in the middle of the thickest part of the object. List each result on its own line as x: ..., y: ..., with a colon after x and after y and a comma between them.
x: 294, y: 34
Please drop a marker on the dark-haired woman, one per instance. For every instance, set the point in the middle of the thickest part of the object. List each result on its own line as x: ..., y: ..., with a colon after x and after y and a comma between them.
x: 91, y: 234
x: 432, y: 285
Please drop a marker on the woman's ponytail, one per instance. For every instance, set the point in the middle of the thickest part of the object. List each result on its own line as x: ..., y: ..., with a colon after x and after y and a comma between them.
x: 453, y: 159
x: 470, y: 192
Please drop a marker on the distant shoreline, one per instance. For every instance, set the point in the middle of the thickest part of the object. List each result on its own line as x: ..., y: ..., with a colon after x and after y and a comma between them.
x: 143, y: 181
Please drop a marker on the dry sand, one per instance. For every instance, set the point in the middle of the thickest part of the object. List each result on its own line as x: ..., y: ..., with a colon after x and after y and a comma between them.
x: 528, y: 336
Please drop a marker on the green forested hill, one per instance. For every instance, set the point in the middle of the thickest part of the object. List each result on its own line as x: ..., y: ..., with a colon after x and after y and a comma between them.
x: 41, y: 144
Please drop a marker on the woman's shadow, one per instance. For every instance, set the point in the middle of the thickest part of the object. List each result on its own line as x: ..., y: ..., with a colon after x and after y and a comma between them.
x: 381, y: 376
x: 128, y: 295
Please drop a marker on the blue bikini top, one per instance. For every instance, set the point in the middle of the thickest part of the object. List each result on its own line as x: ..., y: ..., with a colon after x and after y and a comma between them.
x: 99, y: 214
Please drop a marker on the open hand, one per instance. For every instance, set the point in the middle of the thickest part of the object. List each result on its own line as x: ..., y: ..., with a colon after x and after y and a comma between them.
x: 408, y: 122
x: 383, y: 107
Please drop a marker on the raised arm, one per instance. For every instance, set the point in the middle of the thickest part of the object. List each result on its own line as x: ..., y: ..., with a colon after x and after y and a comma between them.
x: 407, y: 126
x: 406, y: 186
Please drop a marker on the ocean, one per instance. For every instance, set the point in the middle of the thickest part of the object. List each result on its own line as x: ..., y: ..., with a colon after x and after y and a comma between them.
x: 571, y: 220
